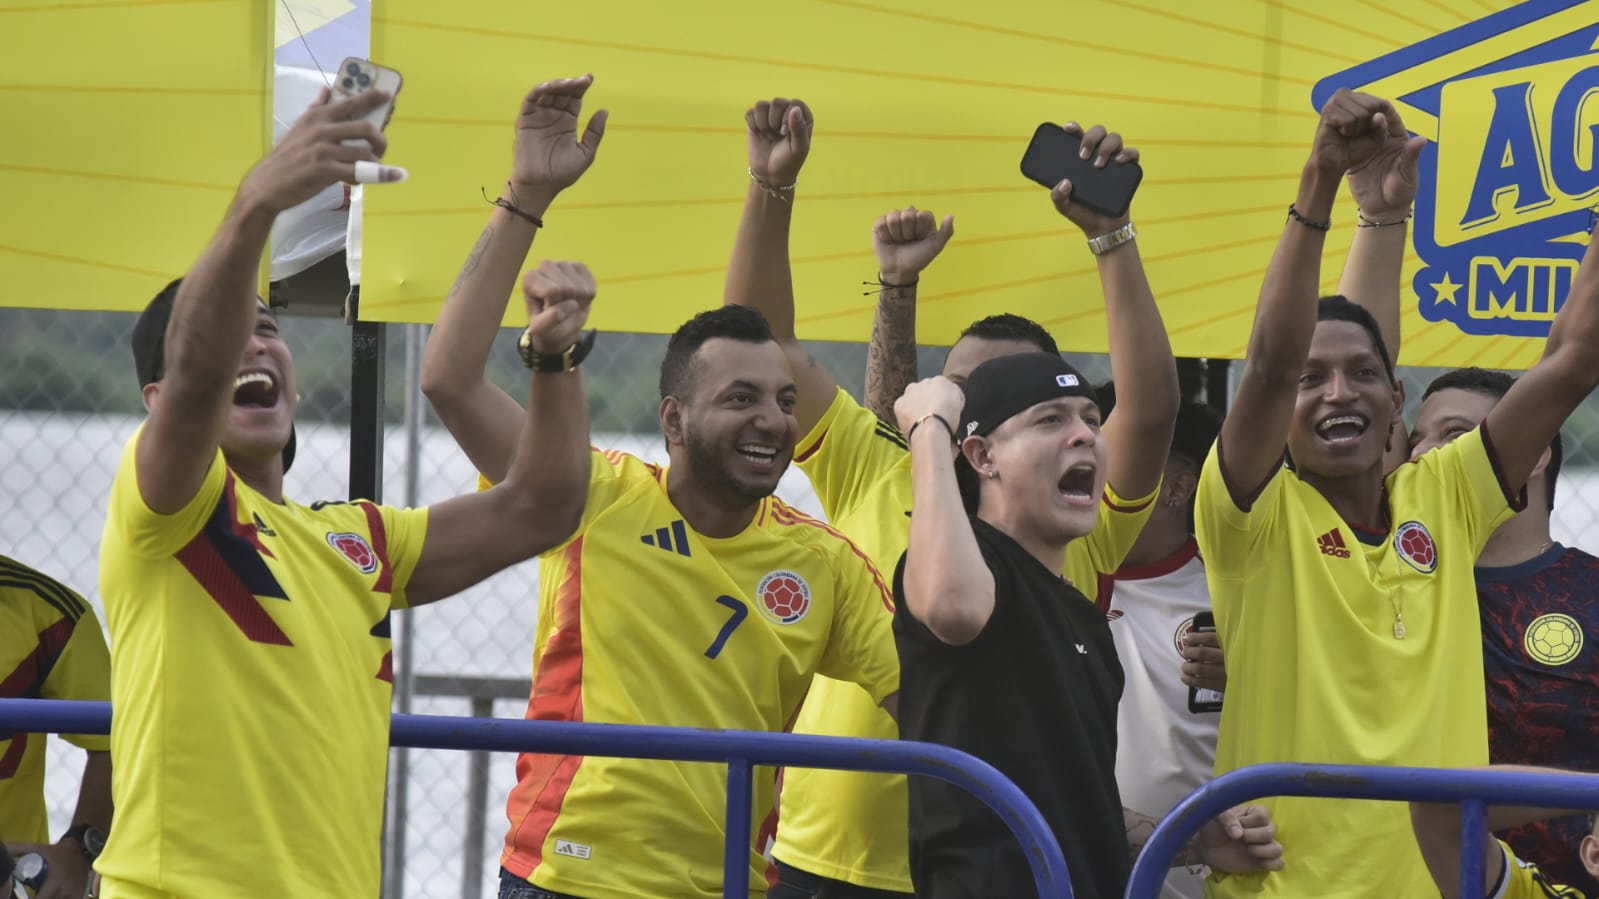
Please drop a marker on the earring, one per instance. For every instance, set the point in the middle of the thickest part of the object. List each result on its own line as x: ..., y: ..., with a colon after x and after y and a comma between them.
x: 993, y: 474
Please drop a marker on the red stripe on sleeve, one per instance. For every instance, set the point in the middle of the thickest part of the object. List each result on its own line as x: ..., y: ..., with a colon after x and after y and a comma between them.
x: 380, y: 545
x: 783, y: 514
x: 543, y: 780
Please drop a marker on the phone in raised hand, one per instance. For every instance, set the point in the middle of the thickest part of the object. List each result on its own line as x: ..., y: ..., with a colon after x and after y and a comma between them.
x: 1052, y: 157
x: 356, y: 75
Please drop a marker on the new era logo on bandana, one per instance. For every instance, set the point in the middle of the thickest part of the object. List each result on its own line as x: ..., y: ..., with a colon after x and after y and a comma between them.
x: 1067, y: 380
x: 1332, y: 544
x: 356, y: 549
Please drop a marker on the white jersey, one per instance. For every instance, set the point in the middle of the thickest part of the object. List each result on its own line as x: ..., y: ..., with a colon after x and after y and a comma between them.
x: 1163, y: 751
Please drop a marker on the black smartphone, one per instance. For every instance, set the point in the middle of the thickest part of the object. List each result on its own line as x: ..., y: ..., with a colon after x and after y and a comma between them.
x: 1052, y: 157
x: 1201, y: 701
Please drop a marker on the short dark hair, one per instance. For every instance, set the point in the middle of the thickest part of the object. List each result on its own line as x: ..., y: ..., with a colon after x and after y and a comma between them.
x: 1338, y: 308
x: 1006, y: 326
x: 728, y: 322
x: 150, y: 335
x: 1496, y: 384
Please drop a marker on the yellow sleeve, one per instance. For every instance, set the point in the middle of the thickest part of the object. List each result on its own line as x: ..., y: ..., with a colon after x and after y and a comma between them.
x: 405, y: 533
x: 1229, y: 518
x: 149, y: 534
x: 1523, y: 880
x: 1473, y: 488
x: 82, y: 671
x: 860, y: 646
x: 848, y: 451
x: 610, y: 473
x: 1102, y: 550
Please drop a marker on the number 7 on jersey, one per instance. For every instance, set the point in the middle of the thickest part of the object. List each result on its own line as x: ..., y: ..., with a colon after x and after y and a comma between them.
x: 740, y: 612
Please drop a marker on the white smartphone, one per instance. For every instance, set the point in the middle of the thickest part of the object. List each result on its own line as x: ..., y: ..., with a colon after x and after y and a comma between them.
x: 356, y: 75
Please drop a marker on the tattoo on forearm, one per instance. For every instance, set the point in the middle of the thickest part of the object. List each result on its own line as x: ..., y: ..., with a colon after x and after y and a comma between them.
x: 891, y: 358
x: 474, y: 259
x: 1139, y: 829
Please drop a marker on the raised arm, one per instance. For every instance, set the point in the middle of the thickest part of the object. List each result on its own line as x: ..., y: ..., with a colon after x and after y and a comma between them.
x: 1384, y: 190
x: 540, y: 502
x: 1147, y: 394
x: 1527, y: 419
x: 948, y: 586
x: 759, y: 275
x: 1254, y: 435
x: 215, y: 310
x: 906, y: 242
x: 547, y: 158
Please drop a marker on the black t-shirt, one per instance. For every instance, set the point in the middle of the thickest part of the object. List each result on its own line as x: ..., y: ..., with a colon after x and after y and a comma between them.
x: 1035, y: 696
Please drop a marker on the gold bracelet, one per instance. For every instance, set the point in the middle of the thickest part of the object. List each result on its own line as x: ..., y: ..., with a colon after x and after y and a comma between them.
x: 773, y: 190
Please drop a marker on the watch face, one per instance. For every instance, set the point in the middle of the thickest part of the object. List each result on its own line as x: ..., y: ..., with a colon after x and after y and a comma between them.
x: 93, y: 843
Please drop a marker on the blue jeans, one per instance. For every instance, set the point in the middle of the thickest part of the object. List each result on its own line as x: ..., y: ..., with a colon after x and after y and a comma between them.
x: 513, y: 887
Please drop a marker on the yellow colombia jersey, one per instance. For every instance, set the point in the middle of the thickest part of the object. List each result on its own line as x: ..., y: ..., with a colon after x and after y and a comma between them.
x: 252, y: 675
x: 642, y: 620
x: 51, y: 647
x: 1306, y: 606
x: 1523, y: 880
x: 848, y: 825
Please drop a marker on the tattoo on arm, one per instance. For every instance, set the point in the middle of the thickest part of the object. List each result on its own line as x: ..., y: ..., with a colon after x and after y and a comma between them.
x: 1140, y: 828
x: 891, y: 358
x: 474, y: 259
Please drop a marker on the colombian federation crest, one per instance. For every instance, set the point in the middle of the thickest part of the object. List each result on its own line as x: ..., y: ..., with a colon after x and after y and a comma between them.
x: 1416, y: 546
x: 1553, y: 639
x: 784, y: 597
x: 1510, y: 106
x: 355, y: 548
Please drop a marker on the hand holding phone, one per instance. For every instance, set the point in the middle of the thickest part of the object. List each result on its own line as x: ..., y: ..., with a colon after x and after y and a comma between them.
x: 356, y: 75
x: 1103, y: 181
x: 1200, y: 699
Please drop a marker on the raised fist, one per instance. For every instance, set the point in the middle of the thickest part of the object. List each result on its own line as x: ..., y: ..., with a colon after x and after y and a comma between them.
x: 780, y: 139
x: 1384, y: 186
x: 547, y: 156
x: 314, y: 153
x: 907, y: 241
x: 937, y: 395
x: 1105, y: 148
x: 558, y: 295
x: 1355, y: 130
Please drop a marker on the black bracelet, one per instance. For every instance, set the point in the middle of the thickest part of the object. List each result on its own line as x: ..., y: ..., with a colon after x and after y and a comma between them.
x: 1369, y: 222
x: 884, y: 286
x: 1299, y: 217
x: 511, y: 207
x: 918, y: 423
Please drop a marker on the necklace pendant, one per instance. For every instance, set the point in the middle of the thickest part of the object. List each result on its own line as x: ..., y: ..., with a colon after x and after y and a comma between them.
x: 1399, y: 629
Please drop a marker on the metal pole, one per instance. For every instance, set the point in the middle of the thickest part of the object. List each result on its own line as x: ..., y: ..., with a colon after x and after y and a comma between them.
x: 477, y: 791
x: 405, y: 658
x: 367, y: 342
x: 736, y: 843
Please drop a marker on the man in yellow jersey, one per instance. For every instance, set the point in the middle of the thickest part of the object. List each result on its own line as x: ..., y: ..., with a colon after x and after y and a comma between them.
x: 689, y: 596
x: 51, y: 647
x: 1344, y: 598
x: 250, y: 643
x: 846, y: 832
x: 1439, y: 830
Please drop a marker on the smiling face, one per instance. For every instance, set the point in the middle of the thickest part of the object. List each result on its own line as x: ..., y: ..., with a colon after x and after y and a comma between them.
x: 1344, y: 406
x: 738, y: 426
x: 261, y: 417
x: 1050, y: 462
x: 1447, y: 414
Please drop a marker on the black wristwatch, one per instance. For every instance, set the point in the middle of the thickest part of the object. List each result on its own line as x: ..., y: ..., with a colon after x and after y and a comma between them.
x: 555, y: 362
x: 89, y: 839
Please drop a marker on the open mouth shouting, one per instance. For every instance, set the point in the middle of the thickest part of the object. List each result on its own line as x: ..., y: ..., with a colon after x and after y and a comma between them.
x: 1342, y: 430
x: 1077, y: 485
x: 255, y: 389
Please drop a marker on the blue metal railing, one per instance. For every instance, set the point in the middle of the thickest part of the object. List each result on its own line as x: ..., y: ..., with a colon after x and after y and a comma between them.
x: 741, y: 751
x: 1474, y: 790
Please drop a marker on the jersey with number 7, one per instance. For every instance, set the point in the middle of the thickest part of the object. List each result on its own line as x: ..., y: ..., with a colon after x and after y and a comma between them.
x: 642, y: 620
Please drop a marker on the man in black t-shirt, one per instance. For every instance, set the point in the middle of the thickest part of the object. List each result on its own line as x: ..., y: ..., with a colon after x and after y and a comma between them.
x: 1001, y: 656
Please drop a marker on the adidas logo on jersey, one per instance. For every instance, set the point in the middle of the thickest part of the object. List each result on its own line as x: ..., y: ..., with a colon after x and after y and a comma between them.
x: 1332, y: 544
x: 672, y: 538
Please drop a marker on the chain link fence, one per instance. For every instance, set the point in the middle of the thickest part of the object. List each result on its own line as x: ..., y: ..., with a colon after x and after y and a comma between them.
x: 69, y: 402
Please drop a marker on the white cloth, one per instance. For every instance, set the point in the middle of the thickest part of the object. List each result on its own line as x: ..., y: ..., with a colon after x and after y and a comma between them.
x: 314, y: 230
x: 1163, y: 751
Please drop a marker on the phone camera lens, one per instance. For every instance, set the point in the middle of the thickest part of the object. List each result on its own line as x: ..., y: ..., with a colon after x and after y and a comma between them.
x: 349, y: 84
x: 364, y: 79
x: 353, y: 68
